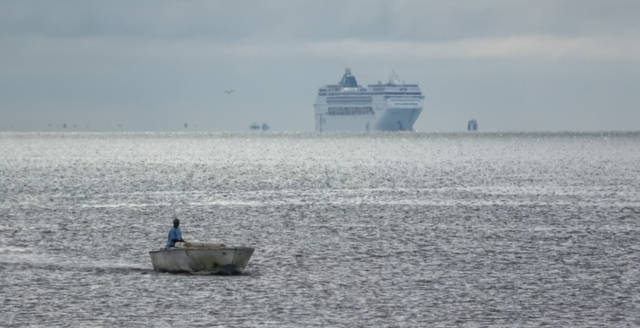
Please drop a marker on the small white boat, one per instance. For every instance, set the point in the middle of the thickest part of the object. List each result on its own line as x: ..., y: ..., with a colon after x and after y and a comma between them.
x: 205, y: 258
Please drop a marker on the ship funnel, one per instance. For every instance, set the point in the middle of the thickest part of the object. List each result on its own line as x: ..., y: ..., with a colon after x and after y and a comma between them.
x: 348, y: 80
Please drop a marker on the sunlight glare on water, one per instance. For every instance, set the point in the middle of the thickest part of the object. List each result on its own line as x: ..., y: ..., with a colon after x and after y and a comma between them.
x: 350, y: 230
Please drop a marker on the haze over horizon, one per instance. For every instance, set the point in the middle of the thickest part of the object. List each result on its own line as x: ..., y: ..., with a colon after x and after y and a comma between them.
x: 513, y: 65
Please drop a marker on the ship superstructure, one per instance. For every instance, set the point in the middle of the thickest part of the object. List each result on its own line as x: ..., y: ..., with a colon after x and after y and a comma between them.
x: 347, y: 106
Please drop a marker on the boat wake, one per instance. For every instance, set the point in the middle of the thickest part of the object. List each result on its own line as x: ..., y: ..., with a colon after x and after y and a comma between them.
x: 12, y: 258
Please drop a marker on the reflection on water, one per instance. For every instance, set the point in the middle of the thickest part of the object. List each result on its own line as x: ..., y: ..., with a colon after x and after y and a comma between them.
x: 349, y: 230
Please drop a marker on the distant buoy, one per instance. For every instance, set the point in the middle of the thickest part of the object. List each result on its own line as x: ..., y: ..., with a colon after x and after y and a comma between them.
x: 472, y: 125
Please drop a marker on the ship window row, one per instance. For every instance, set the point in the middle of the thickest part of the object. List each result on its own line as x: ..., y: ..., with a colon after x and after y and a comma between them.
x: 361, y: 110
x: 378, y: 86
x: 333, y: 100
x: 374, y: 93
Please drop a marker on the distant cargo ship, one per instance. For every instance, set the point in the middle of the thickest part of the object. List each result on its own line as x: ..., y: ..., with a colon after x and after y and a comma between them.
x: 346, y: 106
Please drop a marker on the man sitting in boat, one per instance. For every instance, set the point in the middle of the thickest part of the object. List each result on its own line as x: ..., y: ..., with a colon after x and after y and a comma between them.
x: 175, y: 235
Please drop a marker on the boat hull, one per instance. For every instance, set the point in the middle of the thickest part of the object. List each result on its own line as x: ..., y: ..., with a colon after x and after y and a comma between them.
x: 223, y: 260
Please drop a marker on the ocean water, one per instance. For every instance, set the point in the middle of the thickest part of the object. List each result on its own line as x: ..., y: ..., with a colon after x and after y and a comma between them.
x: 378, y: 230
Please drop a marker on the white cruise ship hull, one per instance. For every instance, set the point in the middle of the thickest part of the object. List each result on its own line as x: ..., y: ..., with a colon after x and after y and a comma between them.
x: 346, y: 106
x: 392, y: 119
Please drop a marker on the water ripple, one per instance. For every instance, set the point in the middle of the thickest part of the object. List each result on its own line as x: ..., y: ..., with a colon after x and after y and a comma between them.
x: 412, y: 230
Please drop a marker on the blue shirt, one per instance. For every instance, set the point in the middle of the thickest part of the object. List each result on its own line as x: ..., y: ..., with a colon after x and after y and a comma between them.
x: 174, y: 234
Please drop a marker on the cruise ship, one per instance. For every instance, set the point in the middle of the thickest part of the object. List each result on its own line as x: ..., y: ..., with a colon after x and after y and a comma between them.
x: 347, y: 106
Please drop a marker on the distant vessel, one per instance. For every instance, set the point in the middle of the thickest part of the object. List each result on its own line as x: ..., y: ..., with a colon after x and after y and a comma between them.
x: 472, y: 125
x: 255, y: 126
x: 347, y: 106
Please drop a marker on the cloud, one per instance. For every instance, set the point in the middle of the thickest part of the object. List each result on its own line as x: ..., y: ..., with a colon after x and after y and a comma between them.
x: 400, y: 29
x: 510, y: 47
x: 107, y: 50
x: 419, y: 20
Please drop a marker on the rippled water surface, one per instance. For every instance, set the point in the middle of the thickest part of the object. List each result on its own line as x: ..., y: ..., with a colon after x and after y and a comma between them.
x: 421, y: 230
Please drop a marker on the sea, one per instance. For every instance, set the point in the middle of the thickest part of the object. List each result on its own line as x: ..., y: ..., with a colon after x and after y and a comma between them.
x: 349, y: 230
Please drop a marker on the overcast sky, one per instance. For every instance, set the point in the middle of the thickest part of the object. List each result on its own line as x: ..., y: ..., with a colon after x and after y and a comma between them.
x: 154, y: 65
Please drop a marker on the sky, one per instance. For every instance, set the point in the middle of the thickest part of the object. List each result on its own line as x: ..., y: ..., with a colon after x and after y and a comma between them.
x: 514, y: 65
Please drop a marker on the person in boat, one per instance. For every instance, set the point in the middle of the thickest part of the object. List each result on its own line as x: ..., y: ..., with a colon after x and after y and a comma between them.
x: 175, y: 235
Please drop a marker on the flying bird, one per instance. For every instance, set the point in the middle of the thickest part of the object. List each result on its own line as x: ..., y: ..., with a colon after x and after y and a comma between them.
x: 230, y: 91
